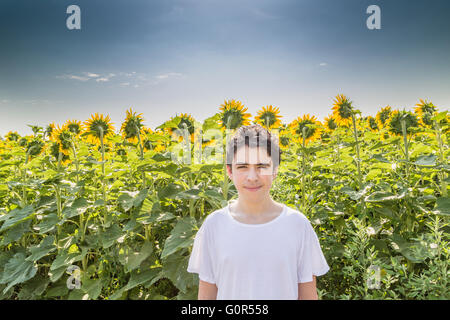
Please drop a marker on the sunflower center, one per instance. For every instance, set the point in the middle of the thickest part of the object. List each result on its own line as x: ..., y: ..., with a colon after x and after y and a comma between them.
x: 309, y: 131
x: 268, y: 118
x: 232, y: 118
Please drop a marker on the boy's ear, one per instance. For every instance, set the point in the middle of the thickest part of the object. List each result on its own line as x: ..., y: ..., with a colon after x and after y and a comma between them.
x: 229, y: 172
x: 275, y: 172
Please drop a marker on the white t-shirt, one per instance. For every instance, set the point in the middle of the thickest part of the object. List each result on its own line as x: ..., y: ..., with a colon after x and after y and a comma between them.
x: 257, y: 261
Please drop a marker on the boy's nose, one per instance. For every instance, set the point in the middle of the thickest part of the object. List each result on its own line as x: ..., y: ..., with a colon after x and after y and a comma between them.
x: 252, y: 174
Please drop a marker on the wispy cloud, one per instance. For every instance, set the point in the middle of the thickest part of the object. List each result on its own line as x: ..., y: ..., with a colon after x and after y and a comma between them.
x: 323, y: 64
x: 167, y: 75
x: 123, y: 79
x: 73, y: 77
x: 91, y: 75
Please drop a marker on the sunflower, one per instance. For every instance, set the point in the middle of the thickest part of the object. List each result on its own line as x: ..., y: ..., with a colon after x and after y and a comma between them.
x: 329, y: 123
x: 342, y: 110
x: 233, y: 115
x: 35, y: 147
x: 132, y: 126
x: 49, y: 129
x: 12, y: 136
x: 382, y: 116
x: 96, y: 126
x: 55, y: 152
x: 74, y: 126
x: 210, y: 137
x: 153, y: 145
x: 268, y: 117
x: 371, y: 123
x: 63, y: 137
x: 284, y: 138
x: 425, y: 107
x: 425, y: 111
x: 312, y: 131
x: 186, y: 123
x: 23, y: 141
x: 394, y: 124
x: 147, y: 144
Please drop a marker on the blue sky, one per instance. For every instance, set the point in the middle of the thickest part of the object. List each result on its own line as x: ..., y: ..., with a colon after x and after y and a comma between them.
x: 167, y: 57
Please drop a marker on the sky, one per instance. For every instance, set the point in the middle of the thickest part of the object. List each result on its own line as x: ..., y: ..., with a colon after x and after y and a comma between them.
x: 166, y: 57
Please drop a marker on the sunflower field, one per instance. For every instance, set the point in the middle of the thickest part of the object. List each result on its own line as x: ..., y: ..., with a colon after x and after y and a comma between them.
x: 91, y: 211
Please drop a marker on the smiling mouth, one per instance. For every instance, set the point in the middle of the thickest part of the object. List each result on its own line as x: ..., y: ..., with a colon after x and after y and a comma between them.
x: 253, y: 189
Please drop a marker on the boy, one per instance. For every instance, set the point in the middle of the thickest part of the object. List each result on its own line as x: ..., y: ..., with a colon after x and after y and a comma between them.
x: 256, y: 248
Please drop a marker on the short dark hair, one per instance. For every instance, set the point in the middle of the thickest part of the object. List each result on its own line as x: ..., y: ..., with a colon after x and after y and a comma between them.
x: 254, y: 136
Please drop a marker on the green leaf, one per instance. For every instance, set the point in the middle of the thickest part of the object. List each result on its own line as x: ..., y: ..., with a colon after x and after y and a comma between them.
x: 140, y: 197
x: 132, y: 260
x: 56, y: 274
x: 426, y: 160
x: 175, y: 268
x: 383, y: 196
x: 189, y: 194
x: 76, y: 294
x: 410, y: 250
x: 125, y: 201
x: 387, y: 212
x: 140, y: 278
x: 442, y: 206
x: 380, y: 158
x: 60, y: 290
x: 110, y: 236
x: 48, y: 223
x: 17, y: 270
x: 33, y: 288
x: 213, y: 193
x: 15, y: 233
x: 42, y: 249
x: 181, y: 236
x: 171, y: 190
x: 77, y: 207
x: 15, y: 216
x: 156, y: 217
x: 440, y: 116
x: 160, y: 157
x: 355, y: 195
x: 93, y: 287
x: 63, y: 259
x: 211, y: 123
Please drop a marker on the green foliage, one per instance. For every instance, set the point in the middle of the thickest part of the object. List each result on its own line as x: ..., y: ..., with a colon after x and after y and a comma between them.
x: 132, y: 240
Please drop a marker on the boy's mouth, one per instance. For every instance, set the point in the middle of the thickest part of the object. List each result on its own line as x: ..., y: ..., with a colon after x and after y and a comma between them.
x: 253, y: 189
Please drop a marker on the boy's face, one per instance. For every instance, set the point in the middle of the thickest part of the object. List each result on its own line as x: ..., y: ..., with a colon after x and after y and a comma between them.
x: 252, y: 173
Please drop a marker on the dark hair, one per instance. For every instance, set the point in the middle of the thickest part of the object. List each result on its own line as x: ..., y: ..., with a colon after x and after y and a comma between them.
x: 254, y: 136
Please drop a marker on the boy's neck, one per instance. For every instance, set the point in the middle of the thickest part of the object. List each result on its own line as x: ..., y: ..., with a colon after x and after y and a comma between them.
x: 255, y: 208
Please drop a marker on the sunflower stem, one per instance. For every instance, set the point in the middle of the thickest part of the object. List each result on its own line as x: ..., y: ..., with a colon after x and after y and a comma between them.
x: 225, y: 175
x: 76, y: 159
x: 144, y: 183
x: 405, y: 142
x: 303, y: 169
x: 358, y: 159
x: 24, y: 176
x: 442, y: 174
x: 103, y: 172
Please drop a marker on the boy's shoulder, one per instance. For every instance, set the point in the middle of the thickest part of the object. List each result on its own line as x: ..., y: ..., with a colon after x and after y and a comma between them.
x: 215, y: 215
x: 291, y: 214
x: 295, y: 215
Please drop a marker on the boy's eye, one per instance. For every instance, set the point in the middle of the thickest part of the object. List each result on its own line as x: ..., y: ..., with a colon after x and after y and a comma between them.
x: 260, y: 166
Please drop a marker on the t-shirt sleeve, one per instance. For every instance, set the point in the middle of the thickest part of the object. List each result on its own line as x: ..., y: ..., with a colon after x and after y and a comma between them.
x: 311, y: 259
x: 200, y: 260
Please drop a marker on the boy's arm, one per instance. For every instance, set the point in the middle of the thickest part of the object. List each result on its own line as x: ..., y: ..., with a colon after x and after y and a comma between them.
x: 307, y: 290
x: 207, y: 291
